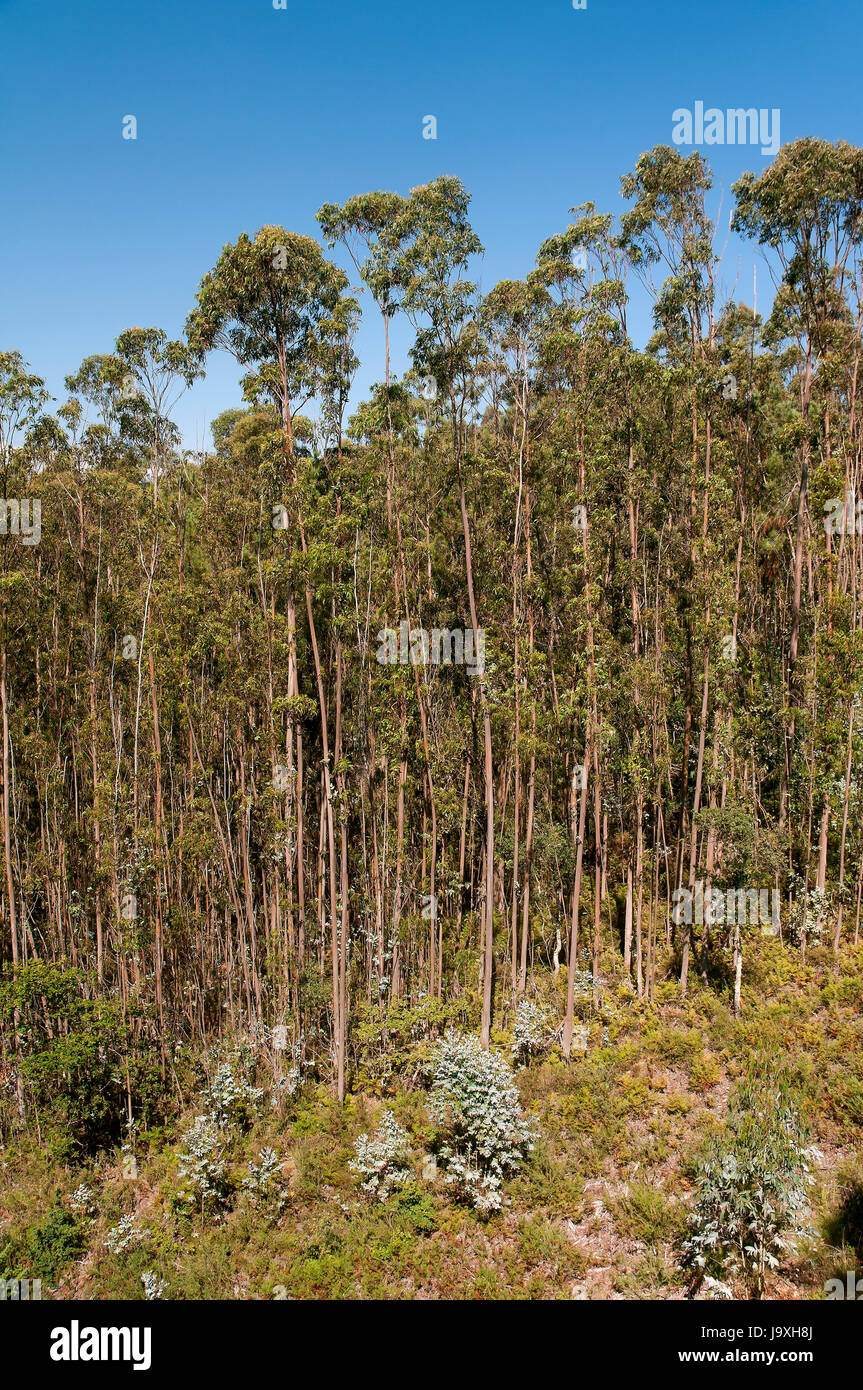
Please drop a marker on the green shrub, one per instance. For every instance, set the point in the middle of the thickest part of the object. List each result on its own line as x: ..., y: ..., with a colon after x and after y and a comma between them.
x: 51, y: 1245
x: 71, y: 1054
x: 415, y: 1209
x: 547, y: 1181
x: 704, y: 1072
x: 846, y: 1093
x: 675, y: 1046
x: 540, y: 1242
x: 752, y: 1186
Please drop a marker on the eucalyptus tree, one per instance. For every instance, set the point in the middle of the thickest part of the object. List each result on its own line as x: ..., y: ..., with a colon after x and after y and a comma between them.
x: 511, y: 315
x: 668, y: 225
x: 375, y: 229
x: 370, y: 227
x: 157, y: 370
x: 587, y: 367
x: 807, y: 207
x: 437, y: 243
x: 265, y: 302
x: 22, y: 397
x: 102, y: 381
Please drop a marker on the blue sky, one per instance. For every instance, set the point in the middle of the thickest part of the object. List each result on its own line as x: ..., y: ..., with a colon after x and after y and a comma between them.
x: 249, y: 115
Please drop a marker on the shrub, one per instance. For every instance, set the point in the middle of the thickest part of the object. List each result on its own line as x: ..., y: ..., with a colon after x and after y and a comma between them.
x: 549, y: 1182
x: 845, y: 1084
x: 486, y: 1137
x: 530, y: 1032
x: 124, y: 1235
x: 263, y: 1176
x: 83, y: 1200
x: 387, y: 1041
x: 380, y: 1159
x: 704, y: 1072
x: 540, y: 1242
x: 415, y: 1209
x: 844, y: 1226
x: 231, y: 1100
x: 52, y: 1244
x: 201, y: 1163
x: 751, y: 1192
x: 71, y: 1054
x: 154, y: 1287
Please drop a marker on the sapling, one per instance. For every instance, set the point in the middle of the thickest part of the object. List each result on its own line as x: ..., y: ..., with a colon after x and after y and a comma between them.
x: 752, y: 1188
x: 264, y: 1175
x: 231, y: 1100
x: 126, y: 1234
x: 200, y: 1161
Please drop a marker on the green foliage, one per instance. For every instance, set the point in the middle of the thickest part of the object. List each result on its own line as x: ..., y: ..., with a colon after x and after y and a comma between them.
x: 415, y: 1208
x: 232, y: 818
x: 843, y: 1226
x: 645, y: 1213
x: 704, y: 1072
x: 72, y: 1052
x: 50, y: 1245
x: 391, y: 1040
x: 847, y: 1091
x: 541, y: 1242
x: 548, y: 1181
x: 752, y: 1186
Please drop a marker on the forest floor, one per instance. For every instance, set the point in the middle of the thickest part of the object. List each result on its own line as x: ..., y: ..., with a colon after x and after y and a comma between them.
x: 599, y: 1209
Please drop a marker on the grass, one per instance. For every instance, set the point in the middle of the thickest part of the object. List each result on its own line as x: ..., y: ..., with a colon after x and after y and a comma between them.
x: 645, y: 1214
x: 599, y: 1205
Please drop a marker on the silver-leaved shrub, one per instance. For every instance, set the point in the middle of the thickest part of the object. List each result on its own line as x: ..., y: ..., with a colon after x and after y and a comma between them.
x: 154, y: 1287
x: 264, y: 1176
x: 201, y: 1163
x: 230, y: 1099
x: 126, y: 1234
x: 381, y: 1159
x: 485, y: 1135
x: 530, y: 1033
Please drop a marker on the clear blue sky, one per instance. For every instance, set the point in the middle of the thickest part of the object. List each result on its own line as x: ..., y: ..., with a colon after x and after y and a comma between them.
x: 249, y: 115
